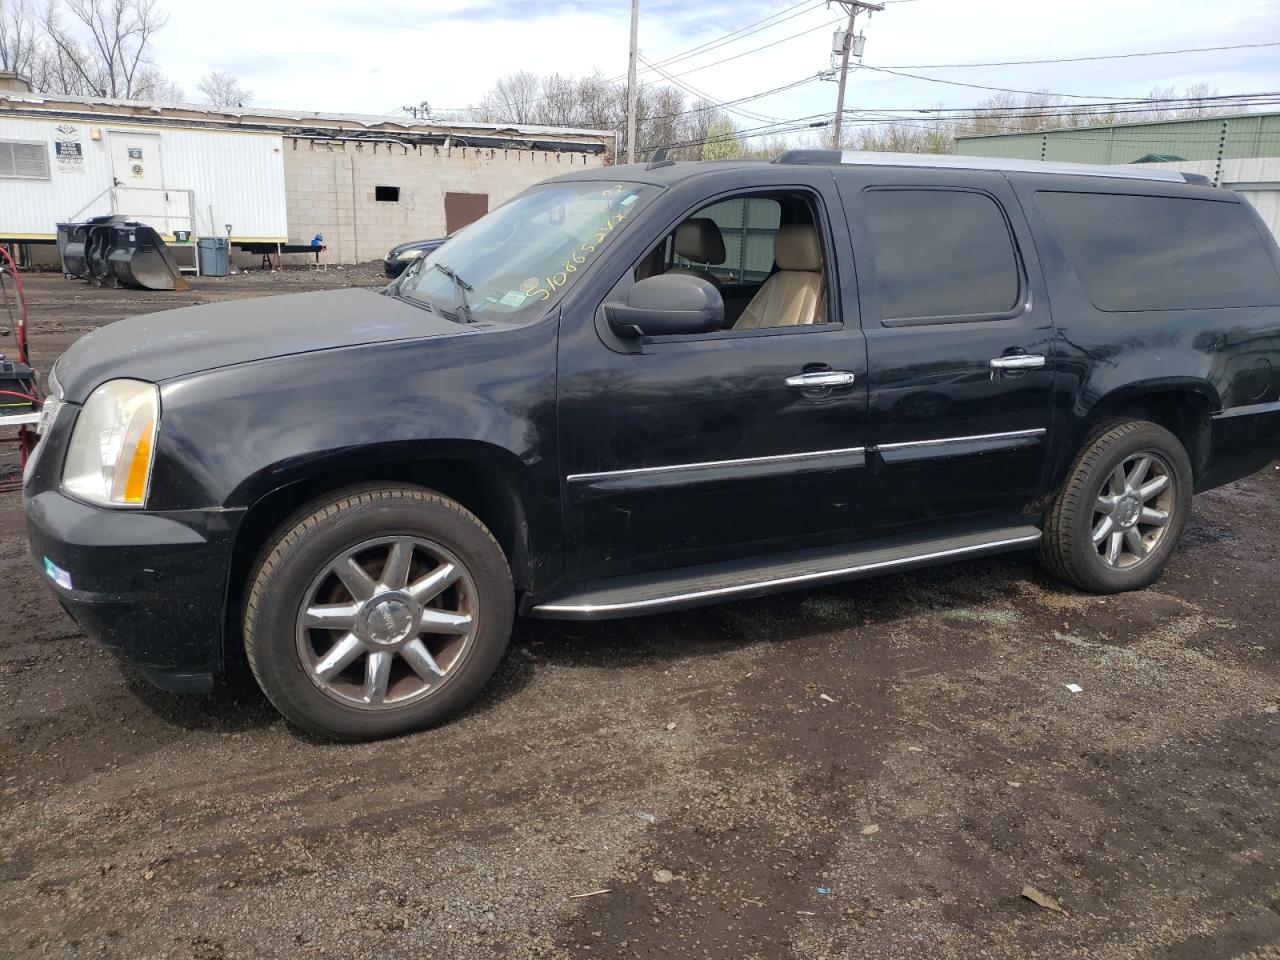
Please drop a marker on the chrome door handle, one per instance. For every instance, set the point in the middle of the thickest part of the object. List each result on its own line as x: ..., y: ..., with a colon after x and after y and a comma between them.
x: 821, y: 380
x: 1015, y: 363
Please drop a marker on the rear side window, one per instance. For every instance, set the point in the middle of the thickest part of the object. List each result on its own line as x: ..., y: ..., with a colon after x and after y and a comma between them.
x: 1161, y: 253
x: 941, y: 254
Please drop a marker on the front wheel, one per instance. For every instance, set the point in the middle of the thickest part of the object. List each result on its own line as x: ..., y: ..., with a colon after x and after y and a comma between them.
x: 377, y: 612
x: 1118, y: 517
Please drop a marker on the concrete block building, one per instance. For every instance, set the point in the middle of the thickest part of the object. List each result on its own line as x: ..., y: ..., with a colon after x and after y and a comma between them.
x: 262, y: 176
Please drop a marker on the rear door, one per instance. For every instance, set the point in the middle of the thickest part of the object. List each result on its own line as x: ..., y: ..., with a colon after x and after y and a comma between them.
x: 959, y: 342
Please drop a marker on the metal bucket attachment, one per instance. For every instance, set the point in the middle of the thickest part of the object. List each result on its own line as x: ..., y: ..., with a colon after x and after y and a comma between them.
x: 116, y: 251
x: 71, y: 246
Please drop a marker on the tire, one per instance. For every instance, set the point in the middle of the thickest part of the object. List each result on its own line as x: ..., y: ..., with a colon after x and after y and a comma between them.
x: 1068, y: 548
x: 350, y: 592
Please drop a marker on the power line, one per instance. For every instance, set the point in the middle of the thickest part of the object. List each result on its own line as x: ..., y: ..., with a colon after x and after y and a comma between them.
x: 1108, y: 56
x: 740, y: 34
x: 689, y: 88
x: 716, y: 105
x: 1264, y: 98
x: 803, y: 123
x: 825, y: 25
x: 654, y: 65
x: 785, y: 126
x: 981, y: 86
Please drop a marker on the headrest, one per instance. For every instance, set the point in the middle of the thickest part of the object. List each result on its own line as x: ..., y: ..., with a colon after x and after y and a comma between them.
x: 795, y: 247
x: 698, y: 239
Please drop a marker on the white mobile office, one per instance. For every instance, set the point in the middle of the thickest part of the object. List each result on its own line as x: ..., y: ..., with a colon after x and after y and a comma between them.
x: 264, y: 175
x: 169, y: 176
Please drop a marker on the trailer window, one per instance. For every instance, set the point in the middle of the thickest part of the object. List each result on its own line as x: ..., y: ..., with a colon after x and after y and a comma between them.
x: 1162, y: 253
x: 24, y: 160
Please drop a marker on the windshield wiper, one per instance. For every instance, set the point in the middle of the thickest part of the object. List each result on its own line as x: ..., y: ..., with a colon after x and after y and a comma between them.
x: 461, y: 286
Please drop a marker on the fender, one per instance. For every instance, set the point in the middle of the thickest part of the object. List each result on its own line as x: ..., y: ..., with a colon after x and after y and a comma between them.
x: 485, y: 398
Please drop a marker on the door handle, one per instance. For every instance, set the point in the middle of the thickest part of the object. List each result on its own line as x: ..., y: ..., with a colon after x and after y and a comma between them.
x: 1015, y: 364
x: 821, y: 380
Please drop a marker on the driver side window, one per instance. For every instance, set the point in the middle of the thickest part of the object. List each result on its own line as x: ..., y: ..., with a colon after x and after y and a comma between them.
x: 763, y: 252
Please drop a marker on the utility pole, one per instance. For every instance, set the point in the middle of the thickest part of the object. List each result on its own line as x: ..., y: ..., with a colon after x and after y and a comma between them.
x: 854, y: 7
x: 632, y: 93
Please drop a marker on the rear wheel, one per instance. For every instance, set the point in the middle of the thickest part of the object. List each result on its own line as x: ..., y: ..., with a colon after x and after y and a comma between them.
x: 380, y: 611
x: 1120, y: 513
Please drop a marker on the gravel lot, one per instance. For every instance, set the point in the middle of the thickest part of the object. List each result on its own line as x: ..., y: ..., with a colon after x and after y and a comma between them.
x: 872, y: 770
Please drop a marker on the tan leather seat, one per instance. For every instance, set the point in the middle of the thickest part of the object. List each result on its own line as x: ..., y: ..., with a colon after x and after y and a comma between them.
x: 651, y: 265
x: 699, y: 239
x: 793, y: 295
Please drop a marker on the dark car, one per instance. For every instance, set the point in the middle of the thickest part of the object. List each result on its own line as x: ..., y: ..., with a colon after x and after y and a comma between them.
x: 399, y: 257
x: 633, y: 390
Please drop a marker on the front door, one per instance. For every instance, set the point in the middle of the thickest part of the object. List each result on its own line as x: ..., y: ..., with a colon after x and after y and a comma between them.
x: 710, y: 447
x: 959, y: 342
x: 139, y: 178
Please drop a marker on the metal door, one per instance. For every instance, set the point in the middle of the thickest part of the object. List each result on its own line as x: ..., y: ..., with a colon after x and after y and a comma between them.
x: 959, y: 343
x: 707, y: 448
x: 139, y: 178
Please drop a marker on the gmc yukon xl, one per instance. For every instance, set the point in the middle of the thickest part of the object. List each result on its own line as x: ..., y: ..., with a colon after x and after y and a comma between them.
x: 639, y: 388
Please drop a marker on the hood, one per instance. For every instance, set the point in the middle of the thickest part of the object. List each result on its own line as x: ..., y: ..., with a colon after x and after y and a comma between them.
x: 174, y: 343
x: 425, y: 245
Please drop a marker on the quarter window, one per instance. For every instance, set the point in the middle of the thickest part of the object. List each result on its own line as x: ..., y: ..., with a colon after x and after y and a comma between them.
x: 1161, y: 253
x: 941, y: 254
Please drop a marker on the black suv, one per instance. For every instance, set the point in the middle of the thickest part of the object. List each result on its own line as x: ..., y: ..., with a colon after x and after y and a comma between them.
x: 642, y: 388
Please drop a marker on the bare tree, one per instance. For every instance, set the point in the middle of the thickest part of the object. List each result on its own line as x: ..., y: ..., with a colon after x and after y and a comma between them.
x: 106, y: 49
x: 19, y: 37
x: 224, y: 90
x: 603, y: 103
x: 512, y: 99
x: 660, y: 118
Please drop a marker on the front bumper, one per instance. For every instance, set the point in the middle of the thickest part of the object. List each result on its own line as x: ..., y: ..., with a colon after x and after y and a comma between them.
x: 151, y: 587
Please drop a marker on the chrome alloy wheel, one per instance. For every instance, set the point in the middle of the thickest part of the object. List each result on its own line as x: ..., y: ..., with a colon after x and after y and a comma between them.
x: 1131, y: 513
x: 387, y: 622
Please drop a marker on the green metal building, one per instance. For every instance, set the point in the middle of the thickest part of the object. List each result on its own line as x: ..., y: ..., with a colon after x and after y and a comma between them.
x: 1236, y: 137
x: 1240, y: 152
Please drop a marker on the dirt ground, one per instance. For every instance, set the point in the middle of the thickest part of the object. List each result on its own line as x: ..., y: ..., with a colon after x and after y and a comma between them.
x: 872, y: 770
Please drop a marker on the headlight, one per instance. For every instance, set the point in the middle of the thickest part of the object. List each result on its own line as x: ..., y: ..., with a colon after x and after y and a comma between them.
x: 113, y: 445
x: 413, y: 253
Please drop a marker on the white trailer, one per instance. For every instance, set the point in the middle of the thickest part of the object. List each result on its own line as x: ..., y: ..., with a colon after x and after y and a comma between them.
x: 171, y: 176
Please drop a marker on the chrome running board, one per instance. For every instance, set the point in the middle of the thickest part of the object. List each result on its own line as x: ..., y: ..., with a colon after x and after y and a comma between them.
x: 757, y: 576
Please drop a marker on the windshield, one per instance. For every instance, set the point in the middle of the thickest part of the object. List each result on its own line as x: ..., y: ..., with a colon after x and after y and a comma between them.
x: 508, y: 265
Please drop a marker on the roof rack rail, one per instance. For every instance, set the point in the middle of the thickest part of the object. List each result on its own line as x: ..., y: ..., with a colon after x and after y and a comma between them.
x: 948, y: 161
x: 808, y: 156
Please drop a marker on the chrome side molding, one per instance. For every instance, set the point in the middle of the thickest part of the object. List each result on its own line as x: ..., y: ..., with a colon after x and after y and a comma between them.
x: 712, y: 464
x: 978, y: 437
x: 801, y: 457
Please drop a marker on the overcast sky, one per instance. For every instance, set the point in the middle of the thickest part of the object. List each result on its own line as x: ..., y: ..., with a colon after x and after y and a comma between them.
x: 338, y: 55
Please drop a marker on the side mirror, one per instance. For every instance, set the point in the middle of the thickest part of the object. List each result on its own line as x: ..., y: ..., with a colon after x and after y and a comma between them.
x: 668, y: 304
